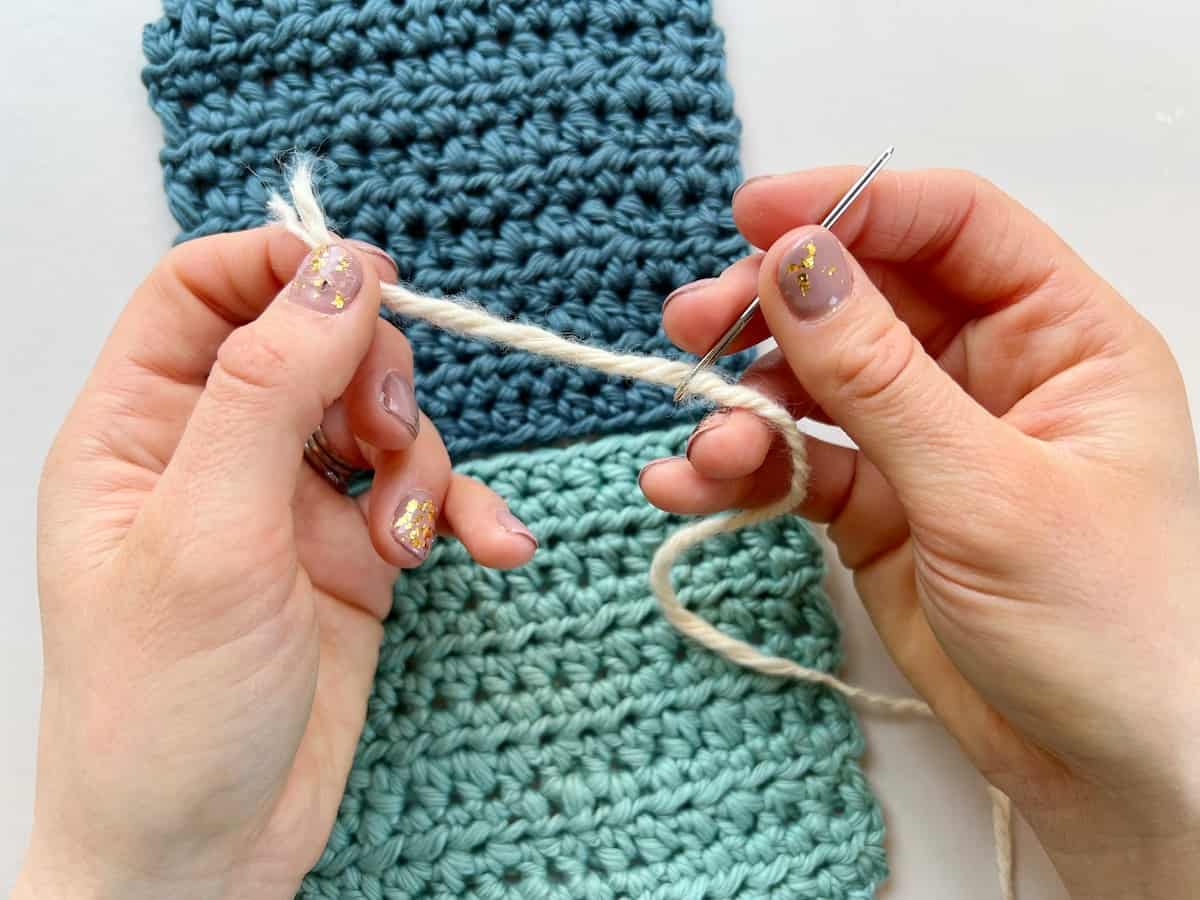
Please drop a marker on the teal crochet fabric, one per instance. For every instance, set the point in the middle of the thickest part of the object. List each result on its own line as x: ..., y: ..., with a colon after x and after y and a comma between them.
x: 568, y: 162
x: 544, y: 733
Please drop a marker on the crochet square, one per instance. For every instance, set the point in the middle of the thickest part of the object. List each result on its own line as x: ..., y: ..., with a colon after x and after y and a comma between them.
x: 544, y: 733
x: 566, y: 162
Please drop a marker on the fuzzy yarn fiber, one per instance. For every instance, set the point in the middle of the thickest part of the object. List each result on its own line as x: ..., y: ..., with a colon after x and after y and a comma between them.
x: 541, y: 733
x: 544, y: 733
x: 567, y: 162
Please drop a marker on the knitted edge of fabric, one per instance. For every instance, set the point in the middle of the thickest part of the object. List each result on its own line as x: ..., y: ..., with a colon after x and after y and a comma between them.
x: 568, y: 163
x: 544, y: 733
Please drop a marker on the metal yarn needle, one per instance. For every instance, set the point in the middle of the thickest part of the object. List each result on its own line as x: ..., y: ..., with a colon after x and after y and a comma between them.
x: 744, y: 319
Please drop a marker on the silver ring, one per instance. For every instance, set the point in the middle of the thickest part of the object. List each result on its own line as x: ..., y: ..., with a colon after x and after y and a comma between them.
x: 337, y: 472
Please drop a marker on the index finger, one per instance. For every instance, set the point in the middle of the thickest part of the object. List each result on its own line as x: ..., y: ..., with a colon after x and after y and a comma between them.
x: 196, y: 296
x: 204, y: 289
x: 965, y: 235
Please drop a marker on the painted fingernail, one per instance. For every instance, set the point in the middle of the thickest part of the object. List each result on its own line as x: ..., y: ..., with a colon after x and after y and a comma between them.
x: 396, y: 395
x: 687, y: 289
x: 414, y: 526
x: 513, y: 525
x: 814, y: 276
x: 655, y: 462
x: 747, y: 183
x: 708, y: 423
x: 372, y: 250
x: 328, y: 280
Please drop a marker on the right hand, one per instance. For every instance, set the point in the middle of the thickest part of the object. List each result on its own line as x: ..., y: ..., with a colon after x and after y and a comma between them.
x: 1023, y: 515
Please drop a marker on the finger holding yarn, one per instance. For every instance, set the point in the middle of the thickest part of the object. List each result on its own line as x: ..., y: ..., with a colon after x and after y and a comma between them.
x: 304, y: 218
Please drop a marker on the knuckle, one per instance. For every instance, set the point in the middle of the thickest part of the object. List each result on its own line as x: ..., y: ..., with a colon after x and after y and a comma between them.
x: 173, y: 262
x: 871, y: 360
x: 171, y: 278
x: 972, y: 180
x: 250, y: 362
x: 395, y: 342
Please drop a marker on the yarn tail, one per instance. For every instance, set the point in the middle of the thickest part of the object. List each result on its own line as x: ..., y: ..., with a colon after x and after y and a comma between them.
x: 304, y: 218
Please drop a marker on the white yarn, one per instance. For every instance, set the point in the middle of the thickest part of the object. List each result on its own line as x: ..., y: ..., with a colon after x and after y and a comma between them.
x: 305, y: 218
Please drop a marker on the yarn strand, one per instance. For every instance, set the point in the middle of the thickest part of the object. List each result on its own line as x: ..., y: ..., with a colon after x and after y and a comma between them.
x: 305, y: 218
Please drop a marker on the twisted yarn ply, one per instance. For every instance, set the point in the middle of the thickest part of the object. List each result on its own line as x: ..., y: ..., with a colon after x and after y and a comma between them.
x: 568, y: 162
x: 304, y: 218
x: 543, y: 733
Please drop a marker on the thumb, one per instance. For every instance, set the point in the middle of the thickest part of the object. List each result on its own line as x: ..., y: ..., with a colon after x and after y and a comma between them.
x: 268, y: 389
x: 866, y: 370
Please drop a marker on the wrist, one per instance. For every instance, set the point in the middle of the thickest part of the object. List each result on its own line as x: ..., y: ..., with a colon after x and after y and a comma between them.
x: 42, y: 884
x: 1143, y: 847
x: 46, y: 875
x: 1162, y: 868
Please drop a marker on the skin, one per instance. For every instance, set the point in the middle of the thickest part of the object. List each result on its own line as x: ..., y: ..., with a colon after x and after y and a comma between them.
x: 1021, y: 520
x: 211, y: 606
x: 1022, y: 513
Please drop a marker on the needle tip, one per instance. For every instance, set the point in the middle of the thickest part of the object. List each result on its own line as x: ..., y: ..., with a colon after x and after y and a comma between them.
x: 681, y: 392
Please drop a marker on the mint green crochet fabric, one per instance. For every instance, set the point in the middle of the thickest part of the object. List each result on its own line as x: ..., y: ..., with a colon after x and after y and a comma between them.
x: 544, y: 733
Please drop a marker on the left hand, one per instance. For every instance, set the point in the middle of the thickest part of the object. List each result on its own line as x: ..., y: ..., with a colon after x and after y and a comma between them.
x: 211, y: 606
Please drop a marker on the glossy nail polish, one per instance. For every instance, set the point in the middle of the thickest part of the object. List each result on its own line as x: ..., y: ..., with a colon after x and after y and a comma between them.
x: 372, y: 250
x: 814, y: 276
x: 414, y: 526
x: 328, y: 280
x: 747, y: 183
x: 712, y: 420
x: 513, y: 525
x: 686, y: 289
x: 655, y: 462
x: 397, y: 397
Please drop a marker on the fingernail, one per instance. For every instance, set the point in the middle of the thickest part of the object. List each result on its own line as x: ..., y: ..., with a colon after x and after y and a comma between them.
x: 747, y: 183
x: 709, y: 422
x: 655, y: 462
x: 372, y: 250
x: 814, y: 276
x: 396, y: 395
x: 328, y: 280
x: 415, y: 524
x: 513, y: 525
x: 687, y: 289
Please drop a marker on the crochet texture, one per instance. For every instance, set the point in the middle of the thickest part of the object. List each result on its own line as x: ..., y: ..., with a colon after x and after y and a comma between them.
x: 544, y: 733
x: 563, y: 161
x: 541, y: 733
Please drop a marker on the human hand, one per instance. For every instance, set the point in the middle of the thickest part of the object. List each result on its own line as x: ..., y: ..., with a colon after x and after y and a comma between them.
x: 211, y: 606
x: 1023, y: 512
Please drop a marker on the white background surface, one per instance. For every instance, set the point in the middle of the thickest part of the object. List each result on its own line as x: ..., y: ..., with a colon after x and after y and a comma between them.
x: 1088, y: 111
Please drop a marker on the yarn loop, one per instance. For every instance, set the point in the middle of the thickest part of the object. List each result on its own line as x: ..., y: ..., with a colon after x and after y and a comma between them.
x: 543, y: 733
x: 305, y: 218
x: 567, y: 162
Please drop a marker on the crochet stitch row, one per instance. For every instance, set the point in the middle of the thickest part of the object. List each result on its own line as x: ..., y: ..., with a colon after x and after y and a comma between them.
x: 565, y: 162
x: 545, y: 733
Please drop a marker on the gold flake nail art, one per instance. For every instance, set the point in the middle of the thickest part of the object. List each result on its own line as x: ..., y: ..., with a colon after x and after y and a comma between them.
x: 814, y: 275
x: 414, y: 525
x: 800, y: 269
x: 328, y: 280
